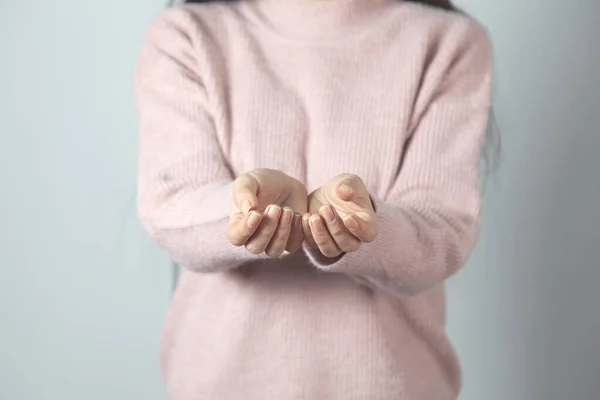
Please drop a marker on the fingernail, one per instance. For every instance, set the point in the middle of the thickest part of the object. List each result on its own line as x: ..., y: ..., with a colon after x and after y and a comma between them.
x: 315, y: 224
x: 274, y: 211
x: 297, y: 220
x: 350, y: 222
x: 306, y: 220
x: 346, y: 187
x: 246, y: 206
x: 327, y: 213
x: 253, y: 219
x: 288, y: 214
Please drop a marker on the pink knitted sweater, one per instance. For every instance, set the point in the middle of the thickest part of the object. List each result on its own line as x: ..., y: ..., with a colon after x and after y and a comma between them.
x: 392, y: 91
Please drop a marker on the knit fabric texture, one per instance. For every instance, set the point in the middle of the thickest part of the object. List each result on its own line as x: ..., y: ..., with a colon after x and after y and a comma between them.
x: 395, y: 92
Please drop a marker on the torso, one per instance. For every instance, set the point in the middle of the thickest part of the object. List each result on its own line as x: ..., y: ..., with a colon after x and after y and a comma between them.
x: 220, y: 325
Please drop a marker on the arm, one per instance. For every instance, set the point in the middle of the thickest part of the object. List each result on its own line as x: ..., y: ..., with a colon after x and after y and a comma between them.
x: 184, y: 183
x: 429, y: 220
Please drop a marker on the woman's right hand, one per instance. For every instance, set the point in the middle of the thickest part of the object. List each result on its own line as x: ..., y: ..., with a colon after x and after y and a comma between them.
x: 266, y: 211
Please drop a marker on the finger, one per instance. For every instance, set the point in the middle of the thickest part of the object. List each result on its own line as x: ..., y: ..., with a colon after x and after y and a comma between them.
x: 279, y: 241
x: 322, y: 237
x: 365, y: 231
x: 245, y: 190
x: 259, y: 241
x: 308, y: 237
x: 242, y: 227
x: 345, y: 240
x: 345, y: 192
x: 296, y: 234
x: 349, y: 186
x: 352, y: 189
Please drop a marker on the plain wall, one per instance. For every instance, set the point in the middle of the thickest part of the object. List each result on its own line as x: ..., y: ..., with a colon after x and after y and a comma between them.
x: 524, y: 313
x: 83, y: 293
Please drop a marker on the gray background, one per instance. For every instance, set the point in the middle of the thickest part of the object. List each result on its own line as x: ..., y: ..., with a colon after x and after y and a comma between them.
x: 83, y: 293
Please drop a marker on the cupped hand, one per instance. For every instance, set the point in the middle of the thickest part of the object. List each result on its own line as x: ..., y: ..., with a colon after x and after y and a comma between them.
x: 340, y: 216
x: 266, y: 211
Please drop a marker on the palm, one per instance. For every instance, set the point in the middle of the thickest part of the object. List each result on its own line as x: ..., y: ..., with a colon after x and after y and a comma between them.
x: 341, y: 216
x: 275, y: 187
x: 266, y: 210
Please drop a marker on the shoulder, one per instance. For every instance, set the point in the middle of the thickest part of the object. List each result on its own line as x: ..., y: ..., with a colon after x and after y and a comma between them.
x: 193, y: 23
x: 446, y: 33
x: 452, y: 50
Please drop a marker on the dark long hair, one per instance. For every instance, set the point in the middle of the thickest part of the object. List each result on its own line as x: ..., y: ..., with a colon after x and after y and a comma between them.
x: 491, y: 149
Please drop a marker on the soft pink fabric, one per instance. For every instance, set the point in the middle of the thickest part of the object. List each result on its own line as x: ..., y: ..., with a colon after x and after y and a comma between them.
x: 395, y: 92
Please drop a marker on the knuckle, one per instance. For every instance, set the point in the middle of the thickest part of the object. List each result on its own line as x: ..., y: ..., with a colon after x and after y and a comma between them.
x: 285, y: 225
x: 277, y: 244
x: 309, y: 239
x: 331, y: 253
x: 236, y: 242
x: 270, y: 223
x: 235, y: 238
x: 307, y: 233
x: 253, y: 248
x: 371, y: 237
x: 274, y: 253
x: 292, y: 247
x: 321, y: 241
x: 351, y: 247
x: 336, y: 230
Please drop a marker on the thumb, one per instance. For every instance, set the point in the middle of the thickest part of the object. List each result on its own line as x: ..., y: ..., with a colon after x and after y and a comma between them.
x: 351, y: 188
x: 245, y: 190
x: 345, y: 191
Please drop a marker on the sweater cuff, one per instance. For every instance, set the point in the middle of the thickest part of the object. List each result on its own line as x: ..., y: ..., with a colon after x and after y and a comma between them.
x: 361, y: 262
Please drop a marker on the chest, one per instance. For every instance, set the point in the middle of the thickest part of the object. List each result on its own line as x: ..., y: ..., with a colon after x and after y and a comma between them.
x: 316, y: 114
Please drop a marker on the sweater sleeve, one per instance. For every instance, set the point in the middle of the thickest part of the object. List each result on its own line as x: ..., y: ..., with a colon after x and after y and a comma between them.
x: 184, y: 181
x: 429, y: 219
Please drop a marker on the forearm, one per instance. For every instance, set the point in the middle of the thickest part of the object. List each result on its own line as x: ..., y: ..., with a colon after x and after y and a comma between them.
x: 191, y: 227
x: 416, y: 249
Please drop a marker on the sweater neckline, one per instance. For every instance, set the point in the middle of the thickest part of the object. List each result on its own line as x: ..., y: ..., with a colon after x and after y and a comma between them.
x: 320, y: 19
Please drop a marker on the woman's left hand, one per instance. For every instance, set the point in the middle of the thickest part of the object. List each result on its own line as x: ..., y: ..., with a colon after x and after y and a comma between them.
x: 340, y: 216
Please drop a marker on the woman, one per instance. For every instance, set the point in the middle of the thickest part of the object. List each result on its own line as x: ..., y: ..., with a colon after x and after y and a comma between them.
x: 313, y: 166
